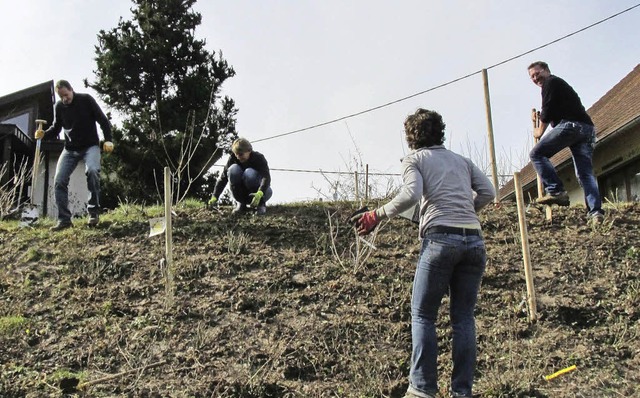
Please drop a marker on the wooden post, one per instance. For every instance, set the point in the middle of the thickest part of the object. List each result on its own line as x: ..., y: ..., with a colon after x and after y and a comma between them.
x: 492, y: 149
x: 36, y: 163
x: 168, y: 200
x: 366, y: 183
x: 355, y: 176
x: 535, y: 118
x: 524, y: 237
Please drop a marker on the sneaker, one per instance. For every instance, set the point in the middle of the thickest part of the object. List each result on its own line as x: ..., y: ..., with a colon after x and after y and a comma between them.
x: 595, y: 219
x: 261, y: 210
x: 240, y: 208
x: 413, y: 393
x: 93, y: 220
x: 60, y: 226
x: 560, y: 199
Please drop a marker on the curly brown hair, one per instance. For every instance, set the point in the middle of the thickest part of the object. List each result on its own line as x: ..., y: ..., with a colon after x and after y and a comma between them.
x: 424, y: 128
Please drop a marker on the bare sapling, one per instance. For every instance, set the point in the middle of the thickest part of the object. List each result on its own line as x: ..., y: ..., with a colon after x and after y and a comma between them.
x: 350, y: 250
x: 190, y: 142
x: 507, y: 162
x: 342, y: 186
x: 12, y: 182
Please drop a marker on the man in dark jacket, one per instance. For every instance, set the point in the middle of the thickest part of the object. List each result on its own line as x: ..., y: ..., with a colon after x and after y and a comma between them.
x: 248, y: 173
x: 571, y: 127
x: 77, y: 114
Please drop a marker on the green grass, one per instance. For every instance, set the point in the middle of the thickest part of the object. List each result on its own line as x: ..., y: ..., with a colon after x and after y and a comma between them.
x: 11, y: 324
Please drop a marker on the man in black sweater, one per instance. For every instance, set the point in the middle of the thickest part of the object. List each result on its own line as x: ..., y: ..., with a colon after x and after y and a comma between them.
x: 77, y: 114
x: 571, y: 127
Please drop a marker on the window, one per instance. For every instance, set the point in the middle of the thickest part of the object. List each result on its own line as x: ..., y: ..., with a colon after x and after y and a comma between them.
x: 623, y: 185
x: 634, y: 182
x: 22, y: 121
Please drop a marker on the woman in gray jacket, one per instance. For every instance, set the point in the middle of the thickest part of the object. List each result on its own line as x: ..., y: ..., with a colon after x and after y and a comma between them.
x: 451, y: 190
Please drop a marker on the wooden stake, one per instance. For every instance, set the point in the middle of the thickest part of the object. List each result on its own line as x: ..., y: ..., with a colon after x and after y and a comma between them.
x: 168, y: 199
x: 524, y: 237
x: 492, y: 149
x: 535, y: 119
x: 36, y: 163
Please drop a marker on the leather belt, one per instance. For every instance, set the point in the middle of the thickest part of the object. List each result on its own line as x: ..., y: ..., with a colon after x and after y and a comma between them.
x: 441, y: 229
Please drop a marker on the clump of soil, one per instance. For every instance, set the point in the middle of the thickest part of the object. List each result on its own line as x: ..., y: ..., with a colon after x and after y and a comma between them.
x: 292, y: 304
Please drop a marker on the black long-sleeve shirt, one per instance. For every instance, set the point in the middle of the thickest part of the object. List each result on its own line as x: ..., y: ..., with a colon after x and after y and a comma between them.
x: 78, y: 119
x: 256, y: 161
x: 560, y: 101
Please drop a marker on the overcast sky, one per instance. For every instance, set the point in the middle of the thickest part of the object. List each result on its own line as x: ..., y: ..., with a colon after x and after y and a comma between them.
x: 300, y: 63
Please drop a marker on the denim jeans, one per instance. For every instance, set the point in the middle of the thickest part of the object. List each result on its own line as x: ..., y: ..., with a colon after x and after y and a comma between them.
x: 453, y: 263
x: 580, y: 138
x: 245, y: 182
x: 67, y: 163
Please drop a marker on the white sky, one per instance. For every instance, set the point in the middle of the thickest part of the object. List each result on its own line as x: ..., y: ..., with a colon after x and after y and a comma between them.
x: 303, y: 62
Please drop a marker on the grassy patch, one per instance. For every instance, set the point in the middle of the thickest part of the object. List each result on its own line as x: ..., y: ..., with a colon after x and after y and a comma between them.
x: 10, y: 324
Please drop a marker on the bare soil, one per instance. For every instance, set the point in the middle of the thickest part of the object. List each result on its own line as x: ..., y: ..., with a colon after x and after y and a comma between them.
x: 263, y: 307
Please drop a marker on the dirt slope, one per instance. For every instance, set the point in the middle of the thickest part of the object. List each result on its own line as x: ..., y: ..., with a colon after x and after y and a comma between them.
x: 263, y: 307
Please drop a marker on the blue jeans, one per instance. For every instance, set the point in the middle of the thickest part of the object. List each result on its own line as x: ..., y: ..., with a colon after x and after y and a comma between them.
x: 67, y: 163
x: 245, y: 182
x: 580, y: 138
x: 453, y: 263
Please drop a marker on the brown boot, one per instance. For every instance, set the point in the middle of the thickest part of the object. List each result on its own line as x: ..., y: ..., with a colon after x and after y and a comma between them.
x: 60, y: 226
x: 560, y: 199
x: 93, y: 220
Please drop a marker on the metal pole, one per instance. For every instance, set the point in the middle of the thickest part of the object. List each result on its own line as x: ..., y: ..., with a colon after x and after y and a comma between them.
x: 366, y: 183
x: 355, y: 175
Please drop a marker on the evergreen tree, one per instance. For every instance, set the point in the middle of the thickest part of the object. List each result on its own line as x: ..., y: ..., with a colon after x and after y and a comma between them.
x: 165, y: 86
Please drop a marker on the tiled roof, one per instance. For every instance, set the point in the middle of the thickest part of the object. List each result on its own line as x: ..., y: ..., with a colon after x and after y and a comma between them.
x: 617, y: 108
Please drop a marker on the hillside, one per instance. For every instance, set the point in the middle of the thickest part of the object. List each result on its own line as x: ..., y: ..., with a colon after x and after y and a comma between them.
x: 262, y: 307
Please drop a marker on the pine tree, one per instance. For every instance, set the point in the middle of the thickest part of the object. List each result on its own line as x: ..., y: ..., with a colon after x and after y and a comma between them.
x: 165, y: 85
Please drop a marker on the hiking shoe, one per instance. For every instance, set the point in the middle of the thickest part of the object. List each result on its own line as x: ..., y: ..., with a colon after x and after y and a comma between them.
x: 595, y: 219
x: 60, y: 226
x: 240, y: 208
x: 261, y: 210
x: 93, y: 220
x: 413, y: 393
x: 560, y: 199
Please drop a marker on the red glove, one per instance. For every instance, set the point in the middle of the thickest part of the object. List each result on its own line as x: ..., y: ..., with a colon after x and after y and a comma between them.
x: 366, y: 222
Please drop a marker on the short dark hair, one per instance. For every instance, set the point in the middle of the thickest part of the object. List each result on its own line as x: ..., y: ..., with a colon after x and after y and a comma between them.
x: 541, y: 64
x: 63, y: 83
x: 424, y: 128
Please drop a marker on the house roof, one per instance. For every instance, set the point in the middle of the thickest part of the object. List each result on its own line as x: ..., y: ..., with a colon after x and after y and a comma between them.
x: 37, y: 100
x: 45, y: 88
x: 618, y: 108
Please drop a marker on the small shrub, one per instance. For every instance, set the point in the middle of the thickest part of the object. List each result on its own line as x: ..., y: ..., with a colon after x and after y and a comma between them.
x: 237, y: 243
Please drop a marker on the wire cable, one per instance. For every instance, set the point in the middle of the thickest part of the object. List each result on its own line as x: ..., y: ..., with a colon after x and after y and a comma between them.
x: 320, y: 171
x: 449, y: 82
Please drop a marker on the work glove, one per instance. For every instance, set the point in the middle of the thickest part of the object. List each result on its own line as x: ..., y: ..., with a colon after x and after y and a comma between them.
x: 212, y: 202
x: 107, y: 147
x: 39, y: 134
x: 256, y: 198
x: 365, y: 222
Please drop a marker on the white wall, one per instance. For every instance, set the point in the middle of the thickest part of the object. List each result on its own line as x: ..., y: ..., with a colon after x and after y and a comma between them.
x: 78, y: 192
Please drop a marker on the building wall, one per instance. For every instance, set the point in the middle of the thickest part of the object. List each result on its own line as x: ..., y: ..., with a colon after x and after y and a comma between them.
x: 78, y: 192
x: 616, y: 163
